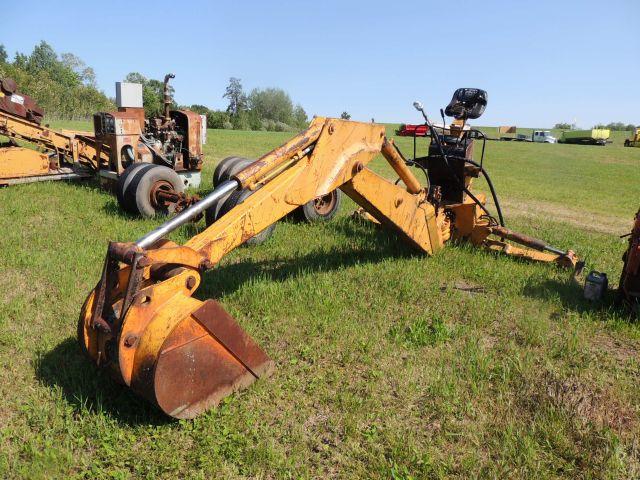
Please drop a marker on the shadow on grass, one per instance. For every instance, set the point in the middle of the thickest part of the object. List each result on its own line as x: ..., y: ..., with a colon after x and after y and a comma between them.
x: 380, y: 244
x: 86, y: 388
x: 571, y: 295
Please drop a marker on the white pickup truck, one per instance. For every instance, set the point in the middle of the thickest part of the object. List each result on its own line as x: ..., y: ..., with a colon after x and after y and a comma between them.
x: 543, y: 136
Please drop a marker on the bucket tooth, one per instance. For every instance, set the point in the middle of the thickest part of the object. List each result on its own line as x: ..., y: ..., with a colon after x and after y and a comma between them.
x: 206, y: 357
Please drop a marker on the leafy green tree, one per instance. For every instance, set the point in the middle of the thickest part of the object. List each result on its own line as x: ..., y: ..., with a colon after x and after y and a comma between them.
x: 236, y: 96
x: 201, y: 109
x: 300, y: 118
x: 217, y: 119
x: 57, y: 84
x: 272, y: 104
x: 43, y: 57
x: 20, y: 61
x: 3, y: 54
x: 345, y: 116
x: 563, y: 126
x: 152, y: 93
x: 77, y: 65
x: 135, y: 77
x: 241, y: 121
x: 616, y: 126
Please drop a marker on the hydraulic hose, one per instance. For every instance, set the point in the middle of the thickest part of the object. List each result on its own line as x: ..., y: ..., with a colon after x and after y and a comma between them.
x: 461, y: 185
x: 490, y: 183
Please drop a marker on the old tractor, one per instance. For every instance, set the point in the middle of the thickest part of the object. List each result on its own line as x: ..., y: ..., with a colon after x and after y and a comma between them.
x: 148, y: 161
x: 142, y: 323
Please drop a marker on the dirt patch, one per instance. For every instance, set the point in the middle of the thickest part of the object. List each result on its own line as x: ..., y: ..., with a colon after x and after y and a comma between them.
x: 463, y: 286
x: 622, y: 351
x: 584, y: 402
x: 594, y: 222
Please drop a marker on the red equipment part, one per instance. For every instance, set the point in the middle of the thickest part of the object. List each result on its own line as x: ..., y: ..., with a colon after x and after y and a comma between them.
x: 408, y: 130
x: 18, y: 104
x: 629, y: 289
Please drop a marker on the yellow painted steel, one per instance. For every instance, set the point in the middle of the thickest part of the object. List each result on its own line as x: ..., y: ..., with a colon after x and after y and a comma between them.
x: 415, y: 219
x: 634, y: 141
x: 393, y: 156
x: 76, y: 147
x: 163, y: 316
x: 22, y: 162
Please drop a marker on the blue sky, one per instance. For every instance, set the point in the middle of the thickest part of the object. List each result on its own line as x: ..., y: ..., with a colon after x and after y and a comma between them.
x: 542, y: 62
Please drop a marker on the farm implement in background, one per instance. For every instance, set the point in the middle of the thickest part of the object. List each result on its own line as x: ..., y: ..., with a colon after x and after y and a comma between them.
x: 634, y: 141
x: 509, y: 134
x: 65, y: 154
x: 595, y: 136
x: 141, y: 321
x: 409, y: 130
x: 148, y: 162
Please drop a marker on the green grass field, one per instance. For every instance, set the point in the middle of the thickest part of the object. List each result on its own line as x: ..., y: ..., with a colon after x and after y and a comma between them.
x: 388, y: 365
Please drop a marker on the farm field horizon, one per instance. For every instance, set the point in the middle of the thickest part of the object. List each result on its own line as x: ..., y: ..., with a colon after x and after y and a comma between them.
x: 389, y: 364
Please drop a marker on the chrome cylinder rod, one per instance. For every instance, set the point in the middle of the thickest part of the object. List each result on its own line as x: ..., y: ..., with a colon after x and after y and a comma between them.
x: 187, y: 215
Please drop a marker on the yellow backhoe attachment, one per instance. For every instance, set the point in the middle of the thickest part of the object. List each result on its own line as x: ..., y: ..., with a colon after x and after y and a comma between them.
x: 183, y: 354
x: 22, y: 165
x: 21, y: 162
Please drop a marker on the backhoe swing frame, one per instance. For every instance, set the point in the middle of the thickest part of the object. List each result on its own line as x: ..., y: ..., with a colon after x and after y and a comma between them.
x: 183, y: 354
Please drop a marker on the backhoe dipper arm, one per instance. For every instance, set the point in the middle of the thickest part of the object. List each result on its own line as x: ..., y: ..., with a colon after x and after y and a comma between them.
x: 183, y: 354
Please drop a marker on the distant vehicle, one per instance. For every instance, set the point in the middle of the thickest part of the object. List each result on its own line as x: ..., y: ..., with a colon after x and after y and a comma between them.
x: 408, y: 130
x: 538, y: 136
x: 635, y: 140
x: 522, y: 137
x: 543, y: 136
x: 595, y: 136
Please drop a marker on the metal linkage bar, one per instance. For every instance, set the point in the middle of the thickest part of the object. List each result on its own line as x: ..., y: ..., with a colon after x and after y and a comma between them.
x: 188, y: 214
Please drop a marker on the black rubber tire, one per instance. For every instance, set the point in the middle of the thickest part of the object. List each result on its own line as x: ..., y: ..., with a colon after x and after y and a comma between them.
x: 137, y: 198
x: 236, y: 198
x: 234, y: 168
x: 222, y: 167
x: 123, y: 182
x: 308, y: 212
x: 212, y: 213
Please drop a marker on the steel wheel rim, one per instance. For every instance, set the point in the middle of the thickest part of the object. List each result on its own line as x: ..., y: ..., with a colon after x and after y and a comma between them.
x: 324, y: 204
x: 156, y: 201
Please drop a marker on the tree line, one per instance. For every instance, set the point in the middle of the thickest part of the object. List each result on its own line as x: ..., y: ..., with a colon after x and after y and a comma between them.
x: 63, y: 85
x: 267, y: 109
x: 613, y: 126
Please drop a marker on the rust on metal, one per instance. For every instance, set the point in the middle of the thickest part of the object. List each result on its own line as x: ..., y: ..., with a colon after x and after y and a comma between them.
x: 324, y: 204
x: 184, y: 355
x: 19, y: 104
x: 273, y: 159
x: 519, y: 238
x: 226, y: 330
x: 629, y: 286
x: 206, y: 357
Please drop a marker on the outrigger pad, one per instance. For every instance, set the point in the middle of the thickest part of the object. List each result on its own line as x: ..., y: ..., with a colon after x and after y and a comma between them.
x: 205, y: 358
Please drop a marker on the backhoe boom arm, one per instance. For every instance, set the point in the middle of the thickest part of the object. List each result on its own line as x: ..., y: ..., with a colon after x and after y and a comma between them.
x: 183, y: 354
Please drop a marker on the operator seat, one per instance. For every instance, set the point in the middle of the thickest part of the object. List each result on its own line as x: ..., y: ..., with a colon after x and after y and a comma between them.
x: 467, y: 104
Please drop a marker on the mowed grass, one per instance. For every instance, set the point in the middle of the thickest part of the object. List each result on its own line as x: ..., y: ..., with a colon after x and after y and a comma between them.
x: 389, y: 364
